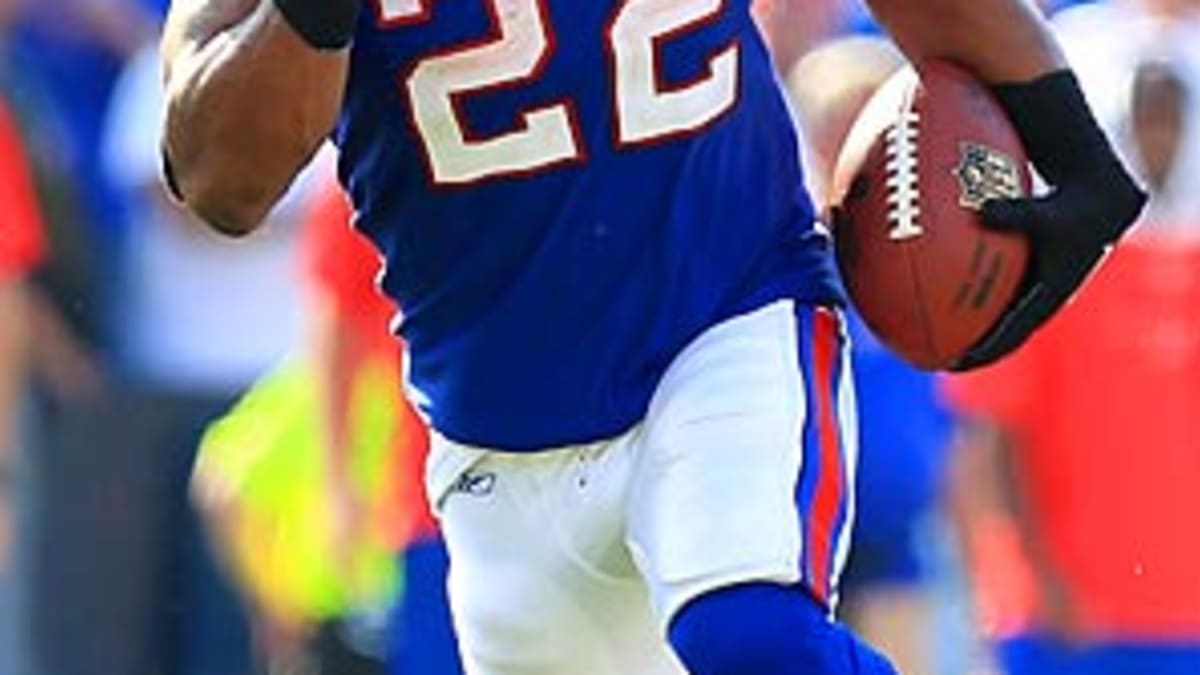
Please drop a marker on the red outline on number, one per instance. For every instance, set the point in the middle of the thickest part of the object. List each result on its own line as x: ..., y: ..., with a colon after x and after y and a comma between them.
x: 660, y: 83
x: 382, y: 21
x: 496, y: 34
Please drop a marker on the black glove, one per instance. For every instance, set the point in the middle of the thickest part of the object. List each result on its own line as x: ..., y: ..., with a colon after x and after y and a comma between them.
x: 1093, y: 200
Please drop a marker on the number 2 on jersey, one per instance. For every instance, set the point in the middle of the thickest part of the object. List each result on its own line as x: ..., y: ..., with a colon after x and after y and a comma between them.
x: 645, y: 108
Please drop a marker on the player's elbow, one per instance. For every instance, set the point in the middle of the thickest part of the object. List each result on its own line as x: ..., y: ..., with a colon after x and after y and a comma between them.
x: 228, y: 180
x: 228, y: 213
x: 229, y: 205
x: 231, y: 201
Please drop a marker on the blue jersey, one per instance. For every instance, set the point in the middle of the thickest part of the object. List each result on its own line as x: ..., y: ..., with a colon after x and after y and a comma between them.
x: 566, y: 193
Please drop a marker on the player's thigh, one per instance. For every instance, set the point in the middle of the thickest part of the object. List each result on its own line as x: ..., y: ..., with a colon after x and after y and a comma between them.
x: 746, y: 470
x: 540, y: 580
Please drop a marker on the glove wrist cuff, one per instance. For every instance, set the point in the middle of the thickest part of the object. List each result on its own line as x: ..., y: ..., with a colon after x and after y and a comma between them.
x: 326, y: 25
x: 1064, y: 141
x: 1054, y: 121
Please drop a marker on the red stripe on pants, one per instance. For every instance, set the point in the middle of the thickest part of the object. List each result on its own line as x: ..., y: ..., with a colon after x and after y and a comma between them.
x: 828, y: 498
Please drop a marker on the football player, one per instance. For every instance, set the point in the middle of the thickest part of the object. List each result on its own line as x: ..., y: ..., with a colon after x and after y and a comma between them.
x: 654, y: 477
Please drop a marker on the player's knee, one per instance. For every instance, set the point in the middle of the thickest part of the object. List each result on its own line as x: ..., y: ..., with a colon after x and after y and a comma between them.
x: 766, y: 629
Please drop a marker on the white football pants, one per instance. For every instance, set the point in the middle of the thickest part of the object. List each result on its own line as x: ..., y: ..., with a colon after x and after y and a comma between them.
x: 574, y: 560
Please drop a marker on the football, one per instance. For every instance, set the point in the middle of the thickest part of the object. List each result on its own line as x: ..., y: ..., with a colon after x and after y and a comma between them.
x: 928, y: 149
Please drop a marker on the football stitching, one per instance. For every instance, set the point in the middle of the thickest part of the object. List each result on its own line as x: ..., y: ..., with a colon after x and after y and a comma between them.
x: 904, y: 194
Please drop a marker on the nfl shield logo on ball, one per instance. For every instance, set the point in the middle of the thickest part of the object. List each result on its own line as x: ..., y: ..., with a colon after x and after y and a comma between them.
x: 985, y: 174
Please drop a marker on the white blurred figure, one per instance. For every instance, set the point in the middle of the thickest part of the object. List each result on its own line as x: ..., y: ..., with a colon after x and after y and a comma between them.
x: 1111, y: 45
x: 200, y: 313
x: 194, y: 321
x: 829, y: 86
x: 792, y: 27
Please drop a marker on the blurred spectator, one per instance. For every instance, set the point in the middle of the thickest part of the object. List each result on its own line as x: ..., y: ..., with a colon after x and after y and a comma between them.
x: 21, y: 249
x: 904, y: 430
x: 78, y: 48
x: 1073, y: 476
x: 320, y: 464
x: 198, y: 312
x: 351, y: 334
x: 1128, y: 81
x: 58, y: 64
x: 352, y: 320
x: 1081, y: 452
x: 350, y: 338
x: 191, y: 321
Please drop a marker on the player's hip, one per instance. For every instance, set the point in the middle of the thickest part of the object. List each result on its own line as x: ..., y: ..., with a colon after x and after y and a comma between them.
x: 754, y: 362
x: 548, y: 371
x: 755, y: 418
x: 740, y: 472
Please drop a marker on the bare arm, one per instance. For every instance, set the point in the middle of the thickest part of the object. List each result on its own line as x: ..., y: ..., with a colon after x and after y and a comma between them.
x: 14, y: 342
x: 340, y: 350
x: 248, y: 103
x: 123, y: 26
x: 999, y: 529
x: 999, y: 40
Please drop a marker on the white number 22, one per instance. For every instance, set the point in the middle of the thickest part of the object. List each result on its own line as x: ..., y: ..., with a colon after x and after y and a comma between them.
x: 646, y: 109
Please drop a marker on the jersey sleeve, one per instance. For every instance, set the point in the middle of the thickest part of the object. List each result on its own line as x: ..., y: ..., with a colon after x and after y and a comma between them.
x: 21, y: 240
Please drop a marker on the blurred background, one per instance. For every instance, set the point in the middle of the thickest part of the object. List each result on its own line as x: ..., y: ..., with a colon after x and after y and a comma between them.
x: 206, y: 467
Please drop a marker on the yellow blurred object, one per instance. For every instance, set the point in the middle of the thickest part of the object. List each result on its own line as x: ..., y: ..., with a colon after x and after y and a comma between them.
x: 261, y: 475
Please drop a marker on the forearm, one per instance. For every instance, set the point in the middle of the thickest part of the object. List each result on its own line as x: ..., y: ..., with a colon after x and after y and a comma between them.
x: 979, y: 490
x: 14, y: 329
x: 998, y: 40
x: 340, y: 353
x: 997, y: 526
x: 248, y: 103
